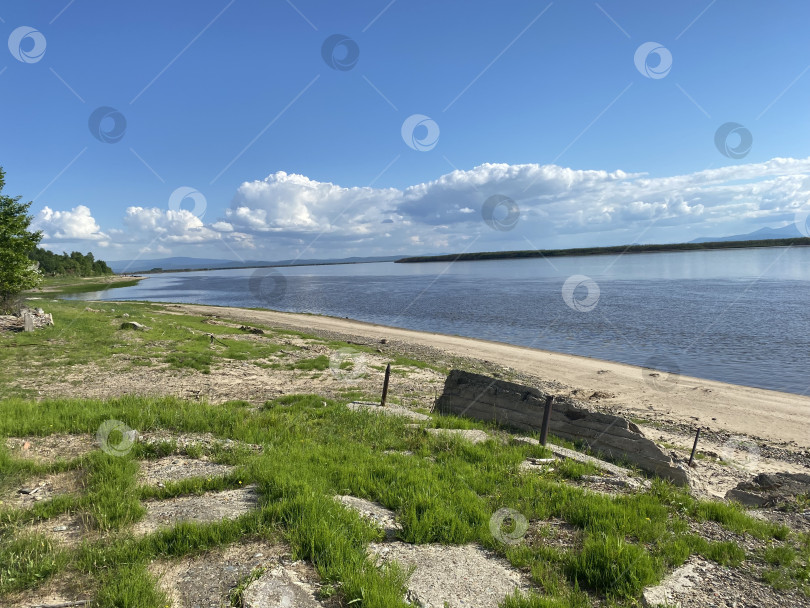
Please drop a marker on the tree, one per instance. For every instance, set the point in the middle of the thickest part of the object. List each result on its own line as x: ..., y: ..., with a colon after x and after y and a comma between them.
x: 17, y: 271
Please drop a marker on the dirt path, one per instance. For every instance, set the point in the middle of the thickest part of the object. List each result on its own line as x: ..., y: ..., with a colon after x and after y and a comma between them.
x: 771, y: 415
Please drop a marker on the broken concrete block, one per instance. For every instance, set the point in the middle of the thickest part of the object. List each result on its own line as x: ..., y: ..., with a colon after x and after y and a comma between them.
x: 279, y: 587
x: 522, y: 407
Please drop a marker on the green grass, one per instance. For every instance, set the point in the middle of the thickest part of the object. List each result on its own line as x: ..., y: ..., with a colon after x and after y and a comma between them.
x: 27, y: 560
x: 320, y: 363
x: 313, y: 448
x: 70, y: 285
x: 179, y: 342
x: 312, y: 452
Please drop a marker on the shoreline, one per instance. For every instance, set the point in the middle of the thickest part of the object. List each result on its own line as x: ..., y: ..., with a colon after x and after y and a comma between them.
x: 774, y: 416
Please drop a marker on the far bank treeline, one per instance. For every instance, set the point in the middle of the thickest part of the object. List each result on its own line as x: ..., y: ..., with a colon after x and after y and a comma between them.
x: 550, y: 253
x: 74, y: 264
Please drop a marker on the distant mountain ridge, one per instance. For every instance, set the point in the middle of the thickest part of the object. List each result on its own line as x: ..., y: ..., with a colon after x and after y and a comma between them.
x: 763, y: 234
x: 187, y: 263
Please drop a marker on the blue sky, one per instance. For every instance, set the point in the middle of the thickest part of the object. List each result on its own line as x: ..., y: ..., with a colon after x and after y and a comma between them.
x: 545, y: 105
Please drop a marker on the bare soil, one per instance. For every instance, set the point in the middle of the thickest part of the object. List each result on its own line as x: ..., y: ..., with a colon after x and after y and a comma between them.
x: 51, y: 448
x: 36, y: 489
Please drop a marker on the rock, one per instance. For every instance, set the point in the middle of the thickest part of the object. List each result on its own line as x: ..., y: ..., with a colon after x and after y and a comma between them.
x: 656, y: 597
x: 60, y: 528
x: 40, y: 311
x: 125, y: 315
x: 748, y: 499
x: 771, y: 489
x: 28, y: 322
x: 252, y: 330
x: 134, y: 325
x: 279, y: 588
x: 384, y: 341
x: 526, y: 440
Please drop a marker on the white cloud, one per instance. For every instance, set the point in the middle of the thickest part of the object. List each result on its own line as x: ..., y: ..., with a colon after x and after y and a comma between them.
x: 77, y: 224
x: 167, y: 226
x: 553, y: 201
x: 285, y: 215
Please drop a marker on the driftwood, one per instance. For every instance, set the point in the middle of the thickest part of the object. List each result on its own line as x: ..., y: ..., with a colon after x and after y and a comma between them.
x: 522, y: 407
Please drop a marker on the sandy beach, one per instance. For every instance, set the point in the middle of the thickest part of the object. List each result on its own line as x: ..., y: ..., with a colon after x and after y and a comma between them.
x: 773, y: 416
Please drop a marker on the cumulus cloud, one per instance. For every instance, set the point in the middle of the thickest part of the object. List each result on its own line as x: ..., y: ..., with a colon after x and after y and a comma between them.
x: 77, y: 224
x: 167, y: 226
x: 552, y: 200
x: 284, y: 215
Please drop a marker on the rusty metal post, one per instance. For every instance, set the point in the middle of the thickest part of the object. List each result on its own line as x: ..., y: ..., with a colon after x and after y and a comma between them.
x: 694, y: 447
x: 546, y: 420
x: 385, y: 384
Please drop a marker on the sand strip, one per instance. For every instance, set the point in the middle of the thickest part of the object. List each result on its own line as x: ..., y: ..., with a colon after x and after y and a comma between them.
x: 771, y: 415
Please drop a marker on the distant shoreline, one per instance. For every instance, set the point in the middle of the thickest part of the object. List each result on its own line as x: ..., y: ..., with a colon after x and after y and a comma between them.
x: 620, y: 249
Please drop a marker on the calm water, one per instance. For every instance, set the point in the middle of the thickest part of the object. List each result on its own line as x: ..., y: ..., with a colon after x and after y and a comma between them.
x: 735, y: 316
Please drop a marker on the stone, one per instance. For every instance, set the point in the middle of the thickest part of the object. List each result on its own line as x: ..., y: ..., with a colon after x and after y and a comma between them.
x: 134, y: 325
x: 657, y: 597
x: 28, y: 322
x: 279, y: 588
x: 770, y: 489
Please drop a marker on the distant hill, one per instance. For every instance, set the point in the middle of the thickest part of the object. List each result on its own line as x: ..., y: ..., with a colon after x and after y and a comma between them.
x: 185, y: 263
x: 785, y: 232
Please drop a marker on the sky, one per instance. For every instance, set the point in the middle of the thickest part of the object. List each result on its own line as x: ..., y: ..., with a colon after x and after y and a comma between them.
x: 263, y: 130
